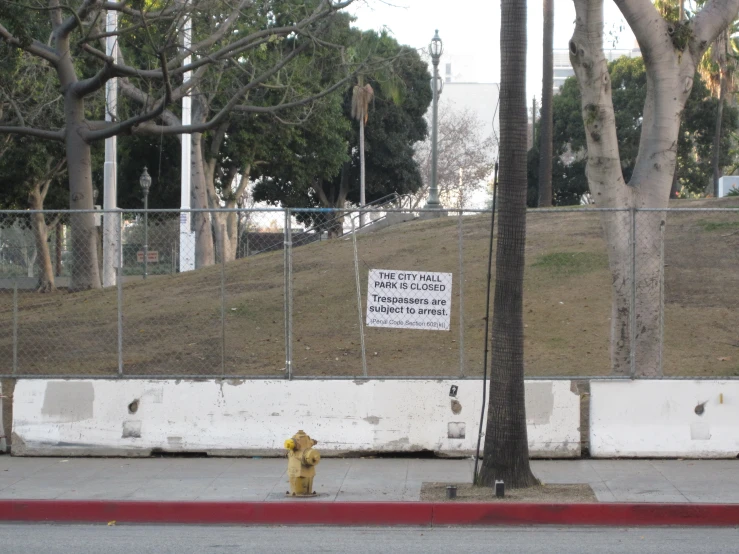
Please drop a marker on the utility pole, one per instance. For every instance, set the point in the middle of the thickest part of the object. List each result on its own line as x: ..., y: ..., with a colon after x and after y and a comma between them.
x: 187, y: 236
x: 111, y: 226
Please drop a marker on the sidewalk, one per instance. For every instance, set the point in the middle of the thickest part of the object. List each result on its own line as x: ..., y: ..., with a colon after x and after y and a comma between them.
x: 347, y: 480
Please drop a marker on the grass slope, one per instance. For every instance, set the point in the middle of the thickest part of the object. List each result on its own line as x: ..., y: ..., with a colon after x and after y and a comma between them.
x: 172, y: 324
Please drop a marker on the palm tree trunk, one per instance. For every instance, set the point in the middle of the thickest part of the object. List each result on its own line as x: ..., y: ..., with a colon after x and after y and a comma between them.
x: 545, y: 133
x: 506, y: 454
x: 362, y: 200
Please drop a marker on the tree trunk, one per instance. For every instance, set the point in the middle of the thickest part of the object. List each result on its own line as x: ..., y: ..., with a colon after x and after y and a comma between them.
x: 41, y: 235
x: 506, y: 454
x: 334, y: 224
x: 670, y: 67
x: 362, y: 182
x: 721, y: 46
x: 547, y: 91
x: 85, y: 272
x: 204, y: 251
x: 226, y: 231
x: 59, y: 246
x: 673, y: 189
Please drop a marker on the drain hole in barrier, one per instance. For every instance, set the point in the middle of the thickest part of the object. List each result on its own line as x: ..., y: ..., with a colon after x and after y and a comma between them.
x: 133, y: 407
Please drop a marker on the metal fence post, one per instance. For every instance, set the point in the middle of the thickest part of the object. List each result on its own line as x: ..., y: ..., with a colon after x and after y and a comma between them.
x: 287, y: 247
x: 632, y: 307
x: 223, y: 300
x: 15, y: 326
x: 359, y: 297
x: 461, y: 296
x: 662, y: 225
x: 119, y: 286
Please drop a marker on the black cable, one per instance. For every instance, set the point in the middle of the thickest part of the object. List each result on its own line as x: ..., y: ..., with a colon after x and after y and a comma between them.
x: 487, y: 324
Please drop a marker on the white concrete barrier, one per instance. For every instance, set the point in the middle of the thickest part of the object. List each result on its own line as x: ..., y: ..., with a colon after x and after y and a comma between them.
x: 254, y: 417
x: 663, y: 418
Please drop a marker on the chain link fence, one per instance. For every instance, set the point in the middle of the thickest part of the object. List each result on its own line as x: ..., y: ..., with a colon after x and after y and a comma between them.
x: 312, y: 294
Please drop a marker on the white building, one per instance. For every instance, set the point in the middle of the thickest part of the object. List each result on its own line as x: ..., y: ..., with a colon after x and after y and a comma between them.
x: 563, y: 68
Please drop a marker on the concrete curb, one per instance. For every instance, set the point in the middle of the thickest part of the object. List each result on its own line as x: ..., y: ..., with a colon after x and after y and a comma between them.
x: 368, y: 513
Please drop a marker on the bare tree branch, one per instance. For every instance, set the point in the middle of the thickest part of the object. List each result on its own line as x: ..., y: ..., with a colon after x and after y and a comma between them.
x: 297, y: 103
x: 31, y: 132
x: 114, y: 129
x: 75, y: 20
x: 36, y: 48
x: 151, y: 129
x: 710, y: 21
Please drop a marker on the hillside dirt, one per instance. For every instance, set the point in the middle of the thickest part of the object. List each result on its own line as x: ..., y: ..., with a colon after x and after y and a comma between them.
x: 172, y: 323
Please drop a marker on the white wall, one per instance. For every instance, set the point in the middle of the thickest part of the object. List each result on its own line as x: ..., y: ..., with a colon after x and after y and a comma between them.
x: 657, y: 418
x: 256, y: 416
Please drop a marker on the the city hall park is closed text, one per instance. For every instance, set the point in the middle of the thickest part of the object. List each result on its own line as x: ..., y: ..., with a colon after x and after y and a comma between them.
x: 409, y: 299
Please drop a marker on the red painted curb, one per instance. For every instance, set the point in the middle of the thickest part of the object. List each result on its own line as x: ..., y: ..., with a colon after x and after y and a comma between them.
x: 369, y: 513
x: 631, y: 515
x: 255, y: 513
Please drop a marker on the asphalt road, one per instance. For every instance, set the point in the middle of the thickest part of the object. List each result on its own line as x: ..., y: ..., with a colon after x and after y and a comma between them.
x: 139, y: 539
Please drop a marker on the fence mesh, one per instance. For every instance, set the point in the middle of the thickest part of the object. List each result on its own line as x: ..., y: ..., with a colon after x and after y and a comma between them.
x: 701, y: 293
x: 302, y: 293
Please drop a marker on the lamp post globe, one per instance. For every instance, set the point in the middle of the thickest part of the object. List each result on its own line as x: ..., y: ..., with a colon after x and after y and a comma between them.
x: 145, y: 182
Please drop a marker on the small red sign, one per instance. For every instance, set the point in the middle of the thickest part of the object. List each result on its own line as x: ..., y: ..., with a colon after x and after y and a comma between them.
x: 153, y: 256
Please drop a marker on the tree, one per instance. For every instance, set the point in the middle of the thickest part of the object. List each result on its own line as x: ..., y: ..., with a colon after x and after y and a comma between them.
x: 465, y: 158
x: 225, y: 160
x: 30, y: 169
x: 717, y: 67
x: 547, y: 92
x: 671, y: 53
x: 82, y: 70
x: 506, y: 454
x: 400, y: 81
x: 629, y: 85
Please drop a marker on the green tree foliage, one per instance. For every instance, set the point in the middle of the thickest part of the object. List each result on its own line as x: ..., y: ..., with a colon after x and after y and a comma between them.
x: 629, y: 82
x: 396, y: 122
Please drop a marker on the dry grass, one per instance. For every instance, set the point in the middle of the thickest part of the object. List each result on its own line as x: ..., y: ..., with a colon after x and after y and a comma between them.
x: 172, y: 323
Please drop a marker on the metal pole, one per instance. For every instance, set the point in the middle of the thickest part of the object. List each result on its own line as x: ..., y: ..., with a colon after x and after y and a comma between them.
x: 187, y: 236
x: 223, y: 301
x: 662, y: 293
x: 632, y: 307
x: 15, y: 326
x: 288, y: 296
x: 146, y: 234
x: 119, y: 284
x: 359, y: 298
x: 461, y: 295
x: 433, y: 202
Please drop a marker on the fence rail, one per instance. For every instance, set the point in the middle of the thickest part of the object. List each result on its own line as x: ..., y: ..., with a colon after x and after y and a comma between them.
x: 284, y: 293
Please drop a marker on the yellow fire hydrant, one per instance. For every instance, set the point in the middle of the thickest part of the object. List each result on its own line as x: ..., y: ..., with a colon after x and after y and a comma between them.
x: 302, y: 459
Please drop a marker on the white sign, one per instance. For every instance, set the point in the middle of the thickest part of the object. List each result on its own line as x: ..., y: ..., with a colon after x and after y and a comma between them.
x: 409, y: 299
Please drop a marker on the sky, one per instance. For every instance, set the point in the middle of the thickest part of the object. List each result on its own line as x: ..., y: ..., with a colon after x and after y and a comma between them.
x: 470, y: 31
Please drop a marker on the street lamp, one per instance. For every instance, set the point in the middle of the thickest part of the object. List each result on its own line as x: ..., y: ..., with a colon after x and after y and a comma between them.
x: 145, y: 182
x: 436, y: 48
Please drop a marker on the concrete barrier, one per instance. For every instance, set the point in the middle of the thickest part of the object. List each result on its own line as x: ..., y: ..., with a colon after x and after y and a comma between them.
x: 663, y: 418
x: 254, y: 417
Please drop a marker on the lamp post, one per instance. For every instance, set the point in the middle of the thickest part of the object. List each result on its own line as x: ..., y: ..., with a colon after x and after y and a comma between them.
x: 436, y: 48
x: 145, y: 182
